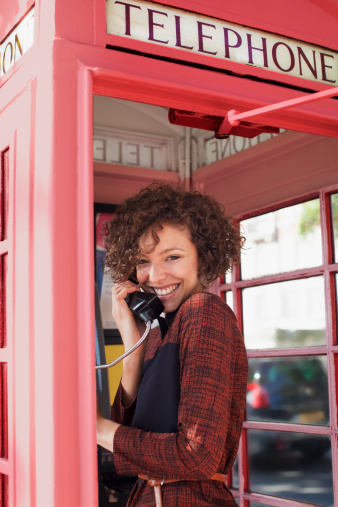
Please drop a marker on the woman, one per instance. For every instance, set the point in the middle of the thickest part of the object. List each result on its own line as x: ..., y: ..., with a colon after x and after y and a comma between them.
x: 178, y: 412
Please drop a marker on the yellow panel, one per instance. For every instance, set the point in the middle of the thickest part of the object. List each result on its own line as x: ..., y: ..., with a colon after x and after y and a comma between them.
x: 114, y: 373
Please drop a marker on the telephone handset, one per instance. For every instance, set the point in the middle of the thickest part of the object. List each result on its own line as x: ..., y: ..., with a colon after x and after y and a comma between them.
x: 144, y: 305
x: 147, y: 307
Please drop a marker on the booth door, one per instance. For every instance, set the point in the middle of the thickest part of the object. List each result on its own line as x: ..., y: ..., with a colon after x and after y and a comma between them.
x: 16, y: 166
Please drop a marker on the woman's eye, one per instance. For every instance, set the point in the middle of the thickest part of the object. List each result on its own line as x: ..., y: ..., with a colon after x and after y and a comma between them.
x: 173, y: 257
x: 142, y: 262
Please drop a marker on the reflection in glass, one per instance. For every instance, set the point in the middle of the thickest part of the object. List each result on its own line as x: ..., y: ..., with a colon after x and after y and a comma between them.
x: 212, y: 150
x: 288, y: 389
x: 281, y: 241
x: 229, y: 298
x: 235, y: 478
x: 294, y: 466
x: 285, y: 314
x: 334, y: 211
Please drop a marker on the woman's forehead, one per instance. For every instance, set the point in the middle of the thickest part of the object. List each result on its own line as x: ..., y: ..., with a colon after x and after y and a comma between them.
x: 168, y: 234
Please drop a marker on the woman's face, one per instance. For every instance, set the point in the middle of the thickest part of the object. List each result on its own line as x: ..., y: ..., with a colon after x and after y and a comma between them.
x: 171, y: 269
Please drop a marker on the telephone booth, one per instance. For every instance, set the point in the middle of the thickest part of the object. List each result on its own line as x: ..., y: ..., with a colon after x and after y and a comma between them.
x: 237, y: 99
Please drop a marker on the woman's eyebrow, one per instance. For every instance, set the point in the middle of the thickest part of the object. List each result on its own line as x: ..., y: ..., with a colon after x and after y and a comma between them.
x: 166, y: 250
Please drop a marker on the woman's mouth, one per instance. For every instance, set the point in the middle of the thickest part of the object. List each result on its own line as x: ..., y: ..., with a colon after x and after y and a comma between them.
x: 166, y: 290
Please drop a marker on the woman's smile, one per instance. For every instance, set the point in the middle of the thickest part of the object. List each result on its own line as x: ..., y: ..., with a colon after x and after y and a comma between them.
x: 165, y: 291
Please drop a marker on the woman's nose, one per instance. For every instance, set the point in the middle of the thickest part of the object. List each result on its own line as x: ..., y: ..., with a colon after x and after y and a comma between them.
x: 157, y: 274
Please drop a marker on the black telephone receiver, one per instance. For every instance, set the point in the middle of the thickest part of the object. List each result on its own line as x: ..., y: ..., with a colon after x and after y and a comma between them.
x: 144, y: 305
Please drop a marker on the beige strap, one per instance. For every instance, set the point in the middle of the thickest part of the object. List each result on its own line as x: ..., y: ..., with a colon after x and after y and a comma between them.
x: 156, y: 483
x: 158, y: 495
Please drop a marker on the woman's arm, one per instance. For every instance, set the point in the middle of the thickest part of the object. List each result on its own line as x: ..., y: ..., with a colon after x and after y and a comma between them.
x: 131, y: 331
x: 105, y: 430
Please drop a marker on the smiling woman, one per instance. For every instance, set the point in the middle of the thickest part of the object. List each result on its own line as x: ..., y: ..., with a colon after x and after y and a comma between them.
x: 177, y: 415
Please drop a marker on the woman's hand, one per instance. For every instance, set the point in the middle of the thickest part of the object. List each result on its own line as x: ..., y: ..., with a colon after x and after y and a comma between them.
x: 131, y: 330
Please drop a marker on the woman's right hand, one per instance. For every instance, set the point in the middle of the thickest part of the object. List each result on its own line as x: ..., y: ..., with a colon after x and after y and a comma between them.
x: 131, y: 329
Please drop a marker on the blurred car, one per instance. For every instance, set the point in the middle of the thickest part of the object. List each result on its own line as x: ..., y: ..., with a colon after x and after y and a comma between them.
x: 288, y: 390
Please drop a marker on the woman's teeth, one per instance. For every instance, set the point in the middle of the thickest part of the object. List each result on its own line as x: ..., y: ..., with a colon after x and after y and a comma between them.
x: 167, y: 290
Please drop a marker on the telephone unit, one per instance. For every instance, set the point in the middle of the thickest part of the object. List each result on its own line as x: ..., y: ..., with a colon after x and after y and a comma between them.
x: 146, y: 306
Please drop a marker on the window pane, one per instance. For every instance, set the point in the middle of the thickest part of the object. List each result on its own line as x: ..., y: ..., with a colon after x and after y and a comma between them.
x: 3, y: 309
x: 288, y: 389
x: 291, y: 465
x: 235, y: 477
x: 286, y: 314
x: 281, y: 241
x: 228, y: 277
x: 255, y: 504
x: 4, y: 499
x: 3, y: 412
x: 229, y: 298
x: 337, y: 302
x: 334, y: 210
x: 4, y: 194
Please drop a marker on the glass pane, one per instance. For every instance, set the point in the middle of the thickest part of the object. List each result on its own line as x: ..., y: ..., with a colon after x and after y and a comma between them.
x: 4, y: 498
x: 334, y: 210
x: 3, y: 310
x: 228, y: 277
x: 294, y: 466
x: 337, y: 303
x: 288, y: 389
x: 235, y: 478
x: 281, y: 241
x: 3, y: 412
x: 4, y: 158
x: 255, y: 504
x: 285, y: 314
x: 229, y: 298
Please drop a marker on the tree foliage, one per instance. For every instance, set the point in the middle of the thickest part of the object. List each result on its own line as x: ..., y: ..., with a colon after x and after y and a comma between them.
x: 310, y: 218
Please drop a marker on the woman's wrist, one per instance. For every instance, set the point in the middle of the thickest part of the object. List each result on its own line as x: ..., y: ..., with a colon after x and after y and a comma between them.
x: 105, y: 433
x: 132, y: 375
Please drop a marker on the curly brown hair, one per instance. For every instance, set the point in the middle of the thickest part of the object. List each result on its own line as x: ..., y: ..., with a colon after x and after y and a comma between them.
x: 217, y: 240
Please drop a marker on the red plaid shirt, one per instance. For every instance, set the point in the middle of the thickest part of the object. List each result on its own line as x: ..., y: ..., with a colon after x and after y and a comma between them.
x: 212, y: 381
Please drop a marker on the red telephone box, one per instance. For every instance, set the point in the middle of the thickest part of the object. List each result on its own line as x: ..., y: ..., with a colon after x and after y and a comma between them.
x: 250, y: 66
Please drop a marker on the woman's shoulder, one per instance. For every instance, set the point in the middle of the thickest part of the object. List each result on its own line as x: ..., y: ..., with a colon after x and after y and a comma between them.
x: 210, y: 315
x: 204, y: 302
